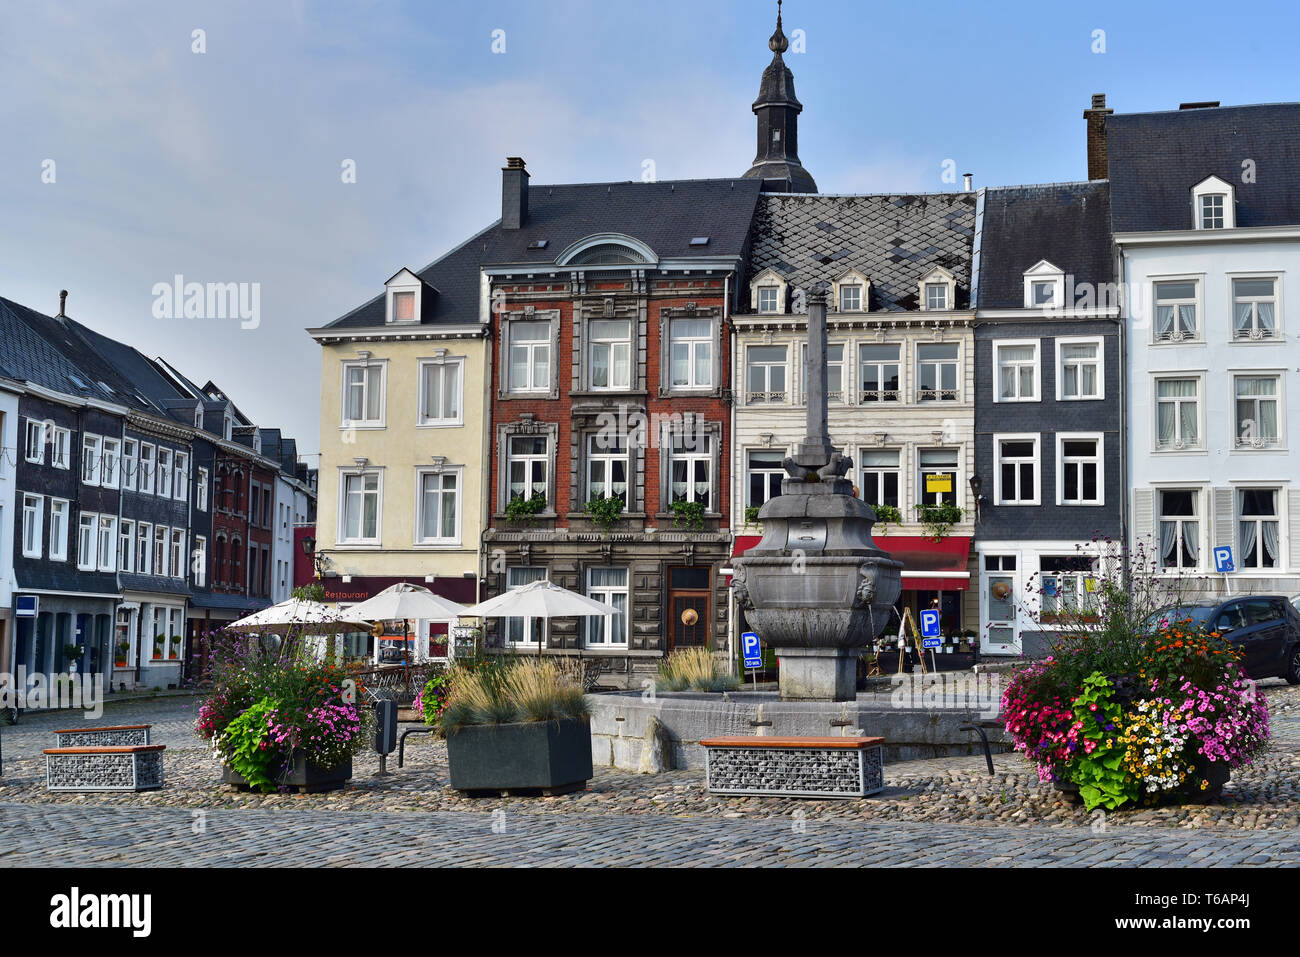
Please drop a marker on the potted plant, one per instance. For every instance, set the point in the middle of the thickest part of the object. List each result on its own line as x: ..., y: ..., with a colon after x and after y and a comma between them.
x: 119, y: 659
x: 688, y: 515
x: 174, y: 651
x: 751, y: 515
x: 159, y: 642
x: 885, y: 514
x: 605, y: 511
x: 938, y: 519
x: 523, y: 725
x: 73, y: 653
x: 691, y: 669
x: 280, y: 718
x: 525, y: 510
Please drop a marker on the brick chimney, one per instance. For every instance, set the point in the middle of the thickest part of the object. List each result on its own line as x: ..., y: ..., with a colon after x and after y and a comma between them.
x: 1096, y: 119
x: 514, y: 193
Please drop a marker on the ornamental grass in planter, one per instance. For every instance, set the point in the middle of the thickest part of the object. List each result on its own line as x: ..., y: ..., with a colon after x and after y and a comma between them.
x: 691, y: 669
x: 517, y: 724
x: 1135, y: 707
x: 279, y: 718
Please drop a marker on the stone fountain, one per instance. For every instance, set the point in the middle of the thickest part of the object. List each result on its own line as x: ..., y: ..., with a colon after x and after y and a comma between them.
x: 816, y: 587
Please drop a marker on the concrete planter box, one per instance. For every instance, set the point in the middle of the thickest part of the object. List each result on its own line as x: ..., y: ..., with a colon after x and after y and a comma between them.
x: 308, y: 778
x: 551, y: 756
x: 137, y: 768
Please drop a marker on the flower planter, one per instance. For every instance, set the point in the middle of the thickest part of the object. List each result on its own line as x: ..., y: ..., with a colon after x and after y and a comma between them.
x: 551, y: 756
x: 308, y: 778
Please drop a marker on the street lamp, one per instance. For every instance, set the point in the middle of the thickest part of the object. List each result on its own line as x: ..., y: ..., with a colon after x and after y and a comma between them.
x: 976, y: 485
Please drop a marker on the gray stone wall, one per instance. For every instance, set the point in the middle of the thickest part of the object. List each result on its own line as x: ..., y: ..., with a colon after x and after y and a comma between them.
x: 104, y: 771
x: 95, y: 737
x: 835, y: 772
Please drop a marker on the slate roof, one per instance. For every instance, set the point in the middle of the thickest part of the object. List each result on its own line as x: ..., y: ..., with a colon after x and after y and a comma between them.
x: 1156, y: 158
x: 1068, y: 224
x: 30, y: 356
x: 665, y: 216
x: 892, y: 240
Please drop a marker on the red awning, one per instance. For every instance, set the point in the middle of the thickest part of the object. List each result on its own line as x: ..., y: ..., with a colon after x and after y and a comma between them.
x: 927, y: 565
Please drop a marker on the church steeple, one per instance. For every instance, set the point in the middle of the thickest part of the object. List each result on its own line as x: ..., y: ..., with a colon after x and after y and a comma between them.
x: 777, y: 108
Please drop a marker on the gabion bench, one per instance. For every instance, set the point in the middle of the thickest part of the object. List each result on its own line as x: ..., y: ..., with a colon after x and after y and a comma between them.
x: 795, y: 767
x: 105, y: 768
x: 117, y: 736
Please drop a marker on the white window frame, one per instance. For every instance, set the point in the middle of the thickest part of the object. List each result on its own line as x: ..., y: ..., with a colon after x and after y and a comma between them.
x: 768, y: 395
x: 443, y: 363
x: 61, y: 448
x: 35, y: 439
x: 403, y: 281
x: 181, y: 476
x: 878, y: 472
x: 111, y: 451
x: 692, y: 344
x: 148, y: 468
x: 768, y: 279
x: 201, y: 490
x: 1100, y: 363
x: 1199, y: 516
x: 526, y: 629
x: 1200, y: 445
x: 1213, y: 186
x: 610, y: 344
x: 931, y: 305
x: 458, y: 473
x: 608, y: 458
x: 199, y: 561
x: 531, y: 347
x: 956, y: 363
x: 768, y: 472
x: 1278, y: 398
x: 1279, y: 517
x: 1036, y: 364
x: 91, y: 446
x: 87, y: 541
x: 999, y: 493
x: 126, y: 546
x: 33, y: 527
x: 166, y: 458
x: 130, y: 463
x: 1256, y: 335
x: 957, y: 471
x: 594, y: 625
x: 833, y: 396
x: 178, y: 553
x: 360, y: 540
x: 160, y: 550
x: 1197, y: 301
x: 881, y: 395
x: 529, y: 459
x: 1098, y: 459
x: 106, y: 547
x: 938, y: 276
x: 144, y: 548
x: 691, y: 457
x: 345, y: 392
x: 59, y: 539
x: 1045, y: 272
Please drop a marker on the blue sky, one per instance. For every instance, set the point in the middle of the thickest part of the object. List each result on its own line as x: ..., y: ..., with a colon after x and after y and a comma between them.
x: 225, y: 166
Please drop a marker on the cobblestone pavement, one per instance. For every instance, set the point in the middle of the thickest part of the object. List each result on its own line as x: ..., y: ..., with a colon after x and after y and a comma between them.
x: 932, y: 812
x: 87, y: 837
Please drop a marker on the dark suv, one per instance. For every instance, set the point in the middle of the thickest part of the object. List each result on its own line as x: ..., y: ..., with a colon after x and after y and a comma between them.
x: 1265, y: 627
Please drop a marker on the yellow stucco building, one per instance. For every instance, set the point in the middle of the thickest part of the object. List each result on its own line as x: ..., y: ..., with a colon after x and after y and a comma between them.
x: 403, y: 449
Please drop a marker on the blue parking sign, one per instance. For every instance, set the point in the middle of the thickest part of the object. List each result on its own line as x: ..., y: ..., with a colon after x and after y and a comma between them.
x: 930, y: 623
x: 1223, y: 562
x: 749, y: 647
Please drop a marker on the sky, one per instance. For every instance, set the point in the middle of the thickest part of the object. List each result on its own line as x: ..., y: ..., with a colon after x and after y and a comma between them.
x: 135, y: 150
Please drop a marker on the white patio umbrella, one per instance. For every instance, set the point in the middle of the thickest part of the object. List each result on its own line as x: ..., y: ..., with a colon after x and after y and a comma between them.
x: 542, y: 599
x: 408, y: 602
x: 312, y: 616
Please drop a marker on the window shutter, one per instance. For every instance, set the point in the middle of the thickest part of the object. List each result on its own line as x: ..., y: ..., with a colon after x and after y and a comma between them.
x: 1293, y: 531
x: 1222, y: 514
x: 1144, y: 519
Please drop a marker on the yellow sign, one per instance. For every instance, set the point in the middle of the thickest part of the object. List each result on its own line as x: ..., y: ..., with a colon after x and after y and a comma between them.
x: 938, y: 483
x: 1090, y: 585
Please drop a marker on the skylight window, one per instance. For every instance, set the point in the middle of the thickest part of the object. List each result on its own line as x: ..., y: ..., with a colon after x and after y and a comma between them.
x: 699, y: 240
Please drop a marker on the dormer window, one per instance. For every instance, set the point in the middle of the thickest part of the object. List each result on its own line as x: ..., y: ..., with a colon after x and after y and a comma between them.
x: 852, y: 291
x: 937, y: 291
x: 767, y: 292
x: 404, y: 292
x: 1212, y: 204
x: 1044, y: 286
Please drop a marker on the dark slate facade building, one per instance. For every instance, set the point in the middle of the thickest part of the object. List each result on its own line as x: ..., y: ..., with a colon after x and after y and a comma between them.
x: 1048, y: 412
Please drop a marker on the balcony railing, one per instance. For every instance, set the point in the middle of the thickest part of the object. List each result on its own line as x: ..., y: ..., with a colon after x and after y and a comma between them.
x: 881, y: 395
x: 752, y: 398
x: 943, y: 394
